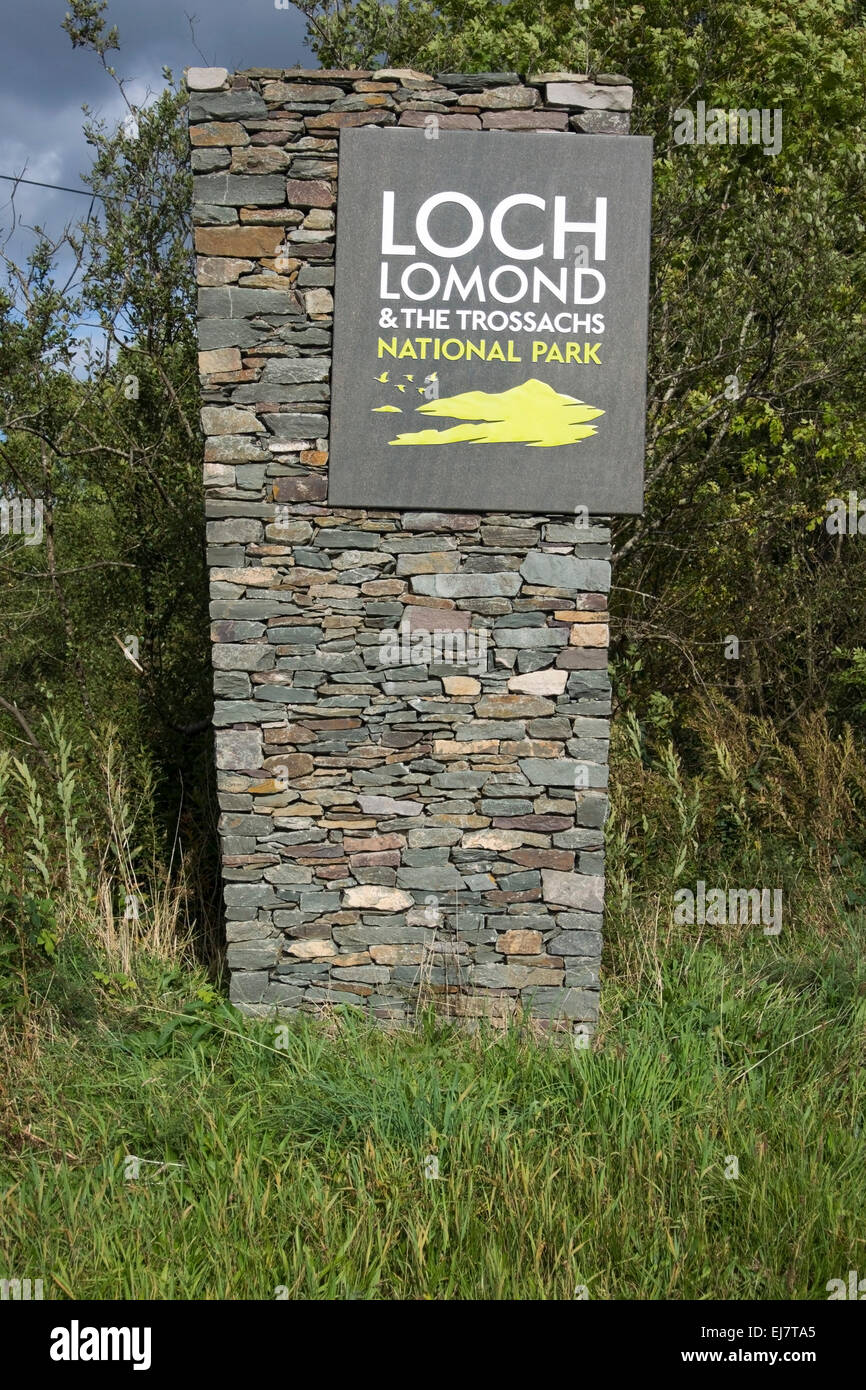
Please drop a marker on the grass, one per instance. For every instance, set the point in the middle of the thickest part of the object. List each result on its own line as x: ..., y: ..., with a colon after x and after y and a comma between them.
x: 302, y: 1167
x: 293, y: 1164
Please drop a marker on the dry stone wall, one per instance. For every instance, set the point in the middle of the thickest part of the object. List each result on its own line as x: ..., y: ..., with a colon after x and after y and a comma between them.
x: 411, y: 709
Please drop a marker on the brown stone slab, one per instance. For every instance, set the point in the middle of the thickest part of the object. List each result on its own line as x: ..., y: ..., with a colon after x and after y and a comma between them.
x: 309, y: 193
x: 540, y: 823
x: 218, y: 133
x: 237, y: 241
x: 336, y: 119
x: 437, y: 619
x: 582, y: 659
x: 525, y: 120
x: 311, y: 487
x: 458, y: 120
x: 325, y: 74
x: 543, y: 858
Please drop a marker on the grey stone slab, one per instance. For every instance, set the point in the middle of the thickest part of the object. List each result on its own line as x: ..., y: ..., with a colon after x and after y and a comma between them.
x: 318, y: 903
x: 505, y: 807
x: 248, y: 986
x: 346, y: 538
x: 591, y: 863
x: 206, y: 161
x: 578, y: 839
x: 572, y: 534
x: 580, y: 1004
x: 293, y: 370
x: 238, y: 712
x: 284, y: 994
x: 476, y: 81
x: 575, y: 943
x: 590, y: 750
x: 253, y: 955
x: 580, y: 921
x: 391, y: 934
x: 360, y: 974
x: 584, y: 974
x: 292, y: 426
x: 222, y: 332
x: 304, y: 338
x: 435, y: 878
x: 249, y: 894
x: 522, y: 921
x: 563, y: 772
x: 243, y: 656
x: 582, y: 891
x: 231, y: 685
x: 238, y: 748
x: 601, y: 123
x: 567, y: 572
x: 590, y: 810
x: 284, y: 695
x: 249, y: 931
x: 591, y: 728
x: 238, y: 844
x: 314, y: 277
x: 466, y: 585
x: 209, y: 215
x: 243, y: 529
x: 226, y: 106
x: 590, y: 96
x: 240, y: 190
x: 532, y: 637
x: 230, y: 302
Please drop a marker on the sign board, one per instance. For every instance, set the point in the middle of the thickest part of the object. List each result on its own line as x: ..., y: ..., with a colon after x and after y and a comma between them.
x: 490, y: 313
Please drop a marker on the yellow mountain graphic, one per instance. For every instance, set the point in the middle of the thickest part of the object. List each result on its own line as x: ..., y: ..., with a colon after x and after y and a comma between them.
x: 532, y: 413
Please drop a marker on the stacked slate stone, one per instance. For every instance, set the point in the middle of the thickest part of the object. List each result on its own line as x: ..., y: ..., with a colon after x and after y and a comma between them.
x: 404, y: 835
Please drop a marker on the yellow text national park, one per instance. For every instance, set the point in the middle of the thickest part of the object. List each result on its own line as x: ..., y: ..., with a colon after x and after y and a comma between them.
x: 489, y: 350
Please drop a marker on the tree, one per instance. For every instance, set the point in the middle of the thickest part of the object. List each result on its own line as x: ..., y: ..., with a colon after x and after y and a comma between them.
x: 107, y: 617
x: 755, y: 408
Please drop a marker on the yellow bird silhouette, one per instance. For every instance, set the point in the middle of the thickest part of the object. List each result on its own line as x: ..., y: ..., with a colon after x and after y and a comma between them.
x: 401, y: 388
x: 409, y: 376
x: 383, y: 377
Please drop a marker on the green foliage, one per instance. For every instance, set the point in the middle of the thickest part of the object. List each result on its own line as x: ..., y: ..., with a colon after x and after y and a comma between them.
x: 85, y: 25
x: 85, y: 896
x: 41, y: 859
x: 102, y: 426
x: 850, y: 682
x: 759, y: 274
x: 556, y: 1167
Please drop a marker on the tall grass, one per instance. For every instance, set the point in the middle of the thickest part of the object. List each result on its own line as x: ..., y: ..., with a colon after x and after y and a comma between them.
x: 303, y: 1166
x: 81, y: 877
x: 293, y: 1159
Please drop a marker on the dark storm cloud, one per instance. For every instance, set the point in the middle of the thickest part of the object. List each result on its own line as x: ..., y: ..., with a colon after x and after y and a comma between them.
x: 46, y: 82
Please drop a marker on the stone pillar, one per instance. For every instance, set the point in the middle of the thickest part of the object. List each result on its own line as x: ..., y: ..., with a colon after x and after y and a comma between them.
x: 392, y: 835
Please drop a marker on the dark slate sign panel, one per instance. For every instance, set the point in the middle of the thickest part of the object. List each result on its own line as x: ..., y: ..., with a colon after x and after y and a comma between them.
x: 490, y: 321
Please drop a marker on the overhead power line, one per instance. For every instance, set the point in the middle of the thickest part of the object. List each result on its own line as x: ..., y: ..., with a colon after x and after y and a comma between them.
x: 62, y: 188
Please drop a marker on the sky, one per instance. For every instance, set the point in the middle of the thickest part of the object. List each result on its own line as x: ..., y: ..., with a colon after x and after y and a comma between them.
x: 45, y: 82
